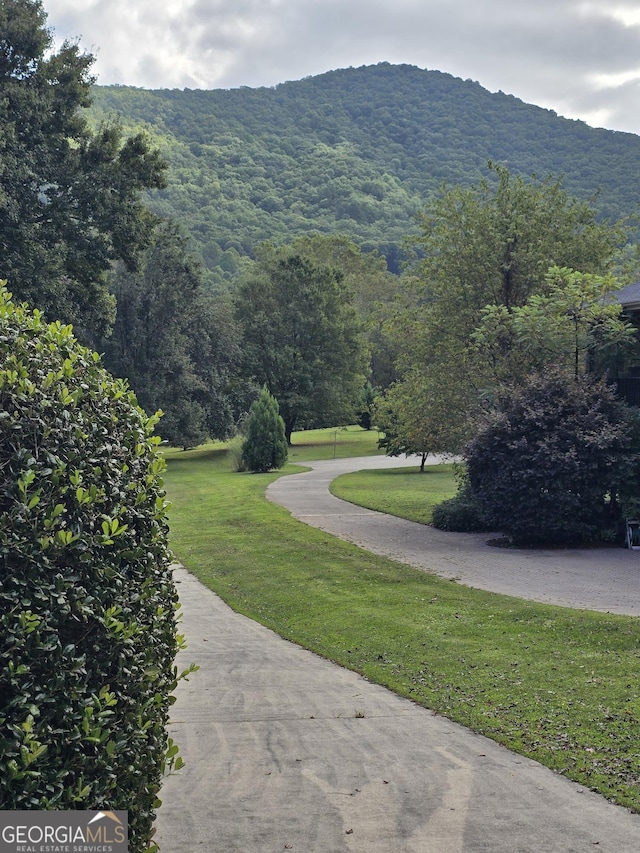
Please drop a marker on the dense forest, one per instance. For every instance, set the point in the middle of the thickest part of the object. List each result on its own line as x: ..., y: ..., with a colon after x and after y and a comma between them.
x: 357, y: 151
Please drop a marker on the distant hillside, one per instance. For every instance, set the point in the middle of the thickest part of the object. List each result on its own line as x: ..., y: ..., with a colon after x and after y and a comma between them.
x: 357, y: 151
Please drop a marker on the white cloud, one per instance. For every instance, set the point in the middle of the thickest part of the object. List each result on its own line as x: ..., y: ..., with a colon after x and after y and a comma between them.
x: 615, y: 80
x: 624, y: 14
x: 561, y: 54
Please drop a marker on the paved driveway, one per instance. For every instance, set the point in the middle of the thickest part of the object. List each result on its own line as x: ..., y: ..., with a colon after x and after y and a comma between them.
x: 606, y: 579
x: 287, y: 751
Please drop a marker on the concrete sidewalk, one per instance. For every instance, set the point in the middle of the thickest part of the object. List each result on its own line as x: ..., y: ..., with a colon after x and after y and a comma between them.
x: 287, y: 751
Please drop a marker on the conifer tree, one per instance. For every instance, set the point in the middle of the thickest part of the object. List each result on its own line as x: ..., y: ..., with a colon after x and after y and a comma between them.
x: 265, y: 446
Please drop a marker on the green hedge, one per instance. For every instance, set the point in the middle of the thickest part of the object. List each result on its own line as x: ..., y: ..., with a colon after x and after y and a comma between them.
x: 87, y: 600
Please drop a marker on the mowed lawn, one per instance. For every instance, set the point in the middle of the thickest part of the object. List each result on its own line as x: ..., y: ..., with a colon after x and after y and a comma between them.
x: 557, y: 685
x: 407, y: 493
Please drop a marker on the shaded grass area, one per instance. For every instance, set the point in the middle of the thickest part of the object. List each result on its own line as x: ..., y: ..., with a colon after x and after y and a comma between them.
x: 406, y: 493
x: 557, y: 685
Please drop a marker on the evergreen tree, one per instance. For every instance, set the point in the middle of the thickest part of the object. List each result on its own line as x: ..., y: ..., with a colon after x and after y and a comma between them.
x: 265, y: 446
x: 87, y: 599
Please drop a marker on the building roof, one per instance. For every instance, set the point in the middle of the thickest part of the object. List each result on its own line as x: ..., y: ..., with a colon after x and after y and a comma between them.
x: 629, y: 297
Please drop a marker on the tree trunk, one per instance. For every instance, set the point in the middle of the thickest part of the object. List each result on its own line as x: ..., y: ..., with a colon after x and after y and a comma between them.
x: 288, y: 431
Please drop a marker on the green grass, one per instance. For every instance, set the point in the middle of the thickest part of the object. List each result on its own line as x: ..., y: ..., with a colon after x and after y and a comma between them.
x: 338, y: 443
x: 557, y: 685
x: 407, y: 493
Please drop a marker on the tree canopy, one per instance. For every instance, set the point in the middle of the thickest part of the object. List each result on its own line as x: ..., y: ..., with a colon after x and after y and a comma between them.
x: 174, y: 342
x: 575, y: 323
x: 485, y: 254
x: 70, y: 198
x: 356, y: 151
x: 365, y: 275
x: 302, y: 339
x: 493, y: 243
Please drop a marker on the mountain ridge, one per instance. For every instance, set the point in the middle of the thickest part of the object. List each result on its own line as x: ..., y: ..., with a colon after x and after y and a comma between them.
x: 357, y: 151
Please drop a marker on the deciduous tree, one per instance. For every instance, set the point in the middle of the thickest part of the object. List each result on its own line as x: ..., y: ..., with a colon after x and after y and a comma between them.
x: 375, y: 290
x: 550, y: 457
x: 573, y: 324
x: 302, y: 339
x: 493, y: 243
x: 486, y: 252
x: 70, y: 198
x: 417, y: 417
x: 176, y: 344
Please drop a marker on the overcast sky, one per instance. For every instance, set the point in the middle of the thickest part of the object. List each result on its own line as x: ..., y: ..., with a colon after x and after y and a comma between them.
x: 578, y: 57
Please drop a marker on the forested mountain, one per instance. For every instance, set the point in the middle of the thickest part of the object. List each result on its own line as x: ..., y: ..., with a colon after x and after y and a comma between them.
x: 357, y: 151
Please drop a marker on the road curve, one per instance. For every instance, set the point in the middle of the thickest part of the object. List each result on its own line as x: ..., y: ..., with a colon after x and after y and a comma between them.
x: 603, y: 579
x: 287, y: 751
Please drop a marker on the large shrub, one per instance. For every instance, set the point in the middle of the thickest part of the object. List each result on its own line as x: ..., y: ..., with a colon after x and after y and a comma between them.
x: 547, y: 462
x: 265, y: 445
x: 87, y: 600
x: 461, y: 513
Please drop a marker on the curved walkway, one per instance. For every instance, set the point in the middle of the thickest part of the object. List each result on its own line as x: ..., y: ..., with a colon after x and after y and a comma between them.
x: 605, y: 579
x: 287, y: 751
